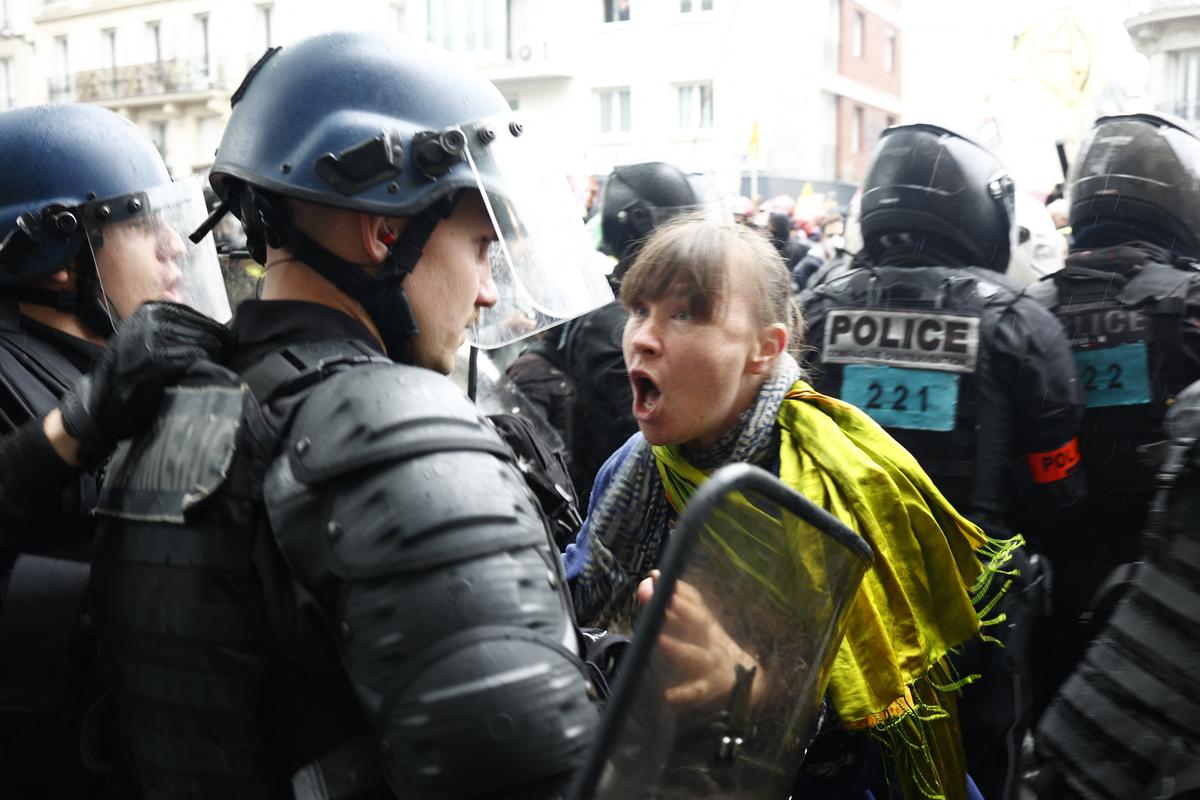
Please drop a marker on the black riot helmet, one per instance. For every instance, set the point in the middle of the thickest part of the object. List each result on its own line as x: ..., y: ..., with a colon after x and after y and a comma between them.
x: 392, y: 127
x: 933, y: 197
x: 1137, y: 178
x: 81, y: 186
x: 638, y: 198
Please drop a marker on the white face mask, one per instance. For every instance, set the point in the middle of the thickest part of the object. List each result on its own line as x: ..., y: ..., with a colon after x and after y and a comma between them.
x: 831, y: 244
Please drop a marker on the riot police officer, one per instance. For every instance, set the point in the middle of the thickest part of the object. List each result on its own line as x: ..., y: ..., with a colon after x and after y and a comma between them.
x: 1122, y: 724
x: 322, y: 575
x: 638, y: 198
x: 85, y: 238
x: 924, y: 333
x: 1129, y: 298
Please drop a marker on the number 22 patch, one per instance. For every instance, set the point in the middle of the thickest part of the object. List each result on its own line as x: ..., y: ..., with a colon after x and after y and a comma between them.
x: 898, y: 397
x: 1114, y: 376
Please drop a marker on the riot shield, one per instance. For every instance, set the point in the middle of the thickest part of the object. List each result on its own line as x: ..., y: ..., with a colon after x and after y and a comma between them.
x: 719, y: 693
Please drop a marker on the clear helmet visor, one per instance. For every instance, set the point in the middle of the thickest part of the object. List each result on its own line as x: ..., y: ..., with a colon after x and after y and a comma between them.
x: 142, y: 252
x: 543, y: 264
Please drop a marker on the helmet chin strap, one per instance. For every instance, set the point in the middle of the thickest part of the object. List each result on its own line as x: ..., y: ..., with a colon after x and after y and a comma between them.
x: 86, y: 303
x: 382, y: 294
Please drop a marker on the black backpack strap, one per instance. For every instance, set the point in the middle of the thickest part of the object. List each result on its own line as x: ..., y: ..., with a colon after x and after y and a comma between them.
x: 296, y: 366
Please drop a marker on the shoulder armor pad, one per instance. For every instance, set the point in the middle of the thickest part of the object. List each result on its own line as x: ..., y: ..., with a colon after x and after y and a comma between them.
x: 958, y: 288
x: 1044, y: 290
x: 372, y: 415
x: 390, y: 469
x: 182, y: 460
x: 1158, y: 283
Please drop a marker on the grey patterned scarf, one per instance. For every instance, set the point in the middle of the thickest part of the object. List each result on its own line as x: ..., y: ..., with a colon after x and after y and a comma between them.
x: 630, y: 524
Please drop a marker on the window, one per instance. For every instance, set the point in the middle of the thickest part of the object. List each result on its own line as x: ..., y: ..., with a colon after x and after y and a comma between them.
x: 615, y: 110
x: 201, y: 65
x: 889, y: 52
x: 158, y: 135
x: 1187, y: 83
x: 264, y: 24
x: 856, y: 130
x: 6, y: 95
x: 616, y: 10
x: 857, y: 33
x: 688, y: 6
x: 468, y: 26
x: 834, y: 34
x: 694, y: 101
x: 153, y: 41
x: 108, y: 47
x: 60, y: 83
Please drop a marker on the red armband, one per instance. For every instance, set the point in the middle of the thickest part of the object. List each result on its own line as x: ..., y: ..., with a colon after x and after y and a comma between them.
x: 1054, y: 465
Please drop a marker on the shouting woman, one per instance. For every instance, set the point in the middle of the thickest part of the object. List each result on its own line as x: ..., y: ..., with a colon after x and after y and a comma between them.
x: 711, y: 347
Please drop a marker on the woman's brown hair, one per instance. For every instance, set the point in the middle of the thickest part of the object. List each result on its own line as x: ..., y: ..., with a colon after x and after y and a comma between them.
x: 695, y: 256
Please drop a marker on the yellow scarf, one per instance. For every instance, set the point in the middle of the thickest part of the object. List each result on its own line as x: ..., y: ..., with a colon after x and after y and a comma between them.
x: 914, y: 605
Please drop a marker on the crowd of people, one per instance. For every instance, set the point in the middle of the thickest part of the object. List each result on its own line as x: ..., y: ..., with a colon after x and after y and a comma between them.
x: 277, y: 553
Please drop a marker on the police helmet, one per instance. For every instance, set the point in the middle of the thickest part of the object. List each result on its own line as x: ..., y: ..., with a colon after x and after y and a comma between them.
x: 638, y: 198
x: 932, y: 195
x: 1137, y: 178
x: 387, y: 126
x: 74, y: 178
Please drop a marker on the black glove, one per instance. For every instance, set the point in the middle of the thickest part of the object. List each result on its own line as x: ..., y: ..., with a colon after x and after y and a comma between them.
x: 118, y: 397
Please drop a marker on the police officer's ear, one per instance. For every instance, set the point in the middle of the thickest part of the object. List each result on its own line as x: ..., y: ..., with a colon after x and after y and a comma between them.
x: 772, y: 341
x: 57, y: 280
x: 378, y: 234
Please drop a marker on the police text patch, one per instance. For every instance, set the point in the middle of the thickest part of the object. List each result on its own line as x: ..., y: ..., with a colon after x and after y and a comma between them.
x: 947, y: 342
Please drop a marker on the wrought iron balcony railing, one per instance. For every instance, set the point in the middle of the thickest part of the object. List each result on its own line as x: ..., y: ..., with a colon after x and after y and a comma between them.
x: 143, y: 80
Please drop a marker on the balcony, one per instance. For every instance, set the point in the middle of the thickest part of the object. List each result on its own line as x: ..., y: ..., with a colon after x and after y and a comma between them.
x: 150, y: 81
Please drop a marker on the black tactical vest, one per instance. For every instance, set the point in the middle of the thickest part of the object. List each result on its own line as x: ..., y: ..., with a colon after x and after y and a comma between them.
x: 33, y: 374
x: 906, y: 345
x: 195, y: 606
x: 1125, y: 328
x: 45, y: 686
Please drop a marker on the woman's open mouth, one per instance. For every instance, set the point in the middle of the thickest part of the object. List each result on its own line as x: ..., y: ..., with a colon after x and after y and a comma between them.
x: 646, y: 394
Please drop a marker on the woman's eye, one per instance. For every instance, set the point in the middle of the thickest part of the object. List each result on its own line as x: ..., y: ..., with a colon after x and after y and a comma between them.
x: 638, y: 310
x: 684, y: 315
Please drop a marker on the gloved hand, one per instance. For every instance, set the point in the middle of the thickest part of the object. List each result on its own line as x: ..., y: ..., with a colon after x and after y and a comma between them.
x: 117, y: 398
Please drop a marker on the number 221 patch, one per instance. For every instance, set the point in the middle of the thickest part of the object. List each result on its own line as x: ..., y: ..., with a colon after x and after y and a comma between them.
x: 900, y: 397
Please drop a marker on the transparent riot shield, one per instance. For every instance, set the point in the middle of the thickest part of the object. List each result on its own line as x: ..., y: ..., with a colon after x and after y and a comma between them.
x: 720, y: 691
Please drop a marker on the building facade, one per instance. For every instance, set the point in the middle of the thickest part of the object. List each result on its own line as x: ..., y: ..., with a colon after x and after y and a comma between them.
x: 1168, y: 34
x: 793, y: 90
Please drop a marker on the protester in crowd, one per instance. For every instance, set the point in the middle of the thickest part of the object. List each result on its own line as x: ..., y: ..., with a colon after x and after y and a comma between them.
x: 710, y: 348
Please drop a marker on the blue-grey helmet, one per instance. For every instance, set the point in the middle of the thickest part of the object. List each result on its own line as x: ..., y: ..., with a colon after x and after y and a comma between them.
x: 75, y: 178
x: 392, y: 127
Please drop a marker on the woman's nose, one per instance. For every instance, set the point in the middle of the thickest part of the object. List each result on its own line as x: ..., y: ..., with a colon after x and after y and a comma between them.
x: 644, y: 336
